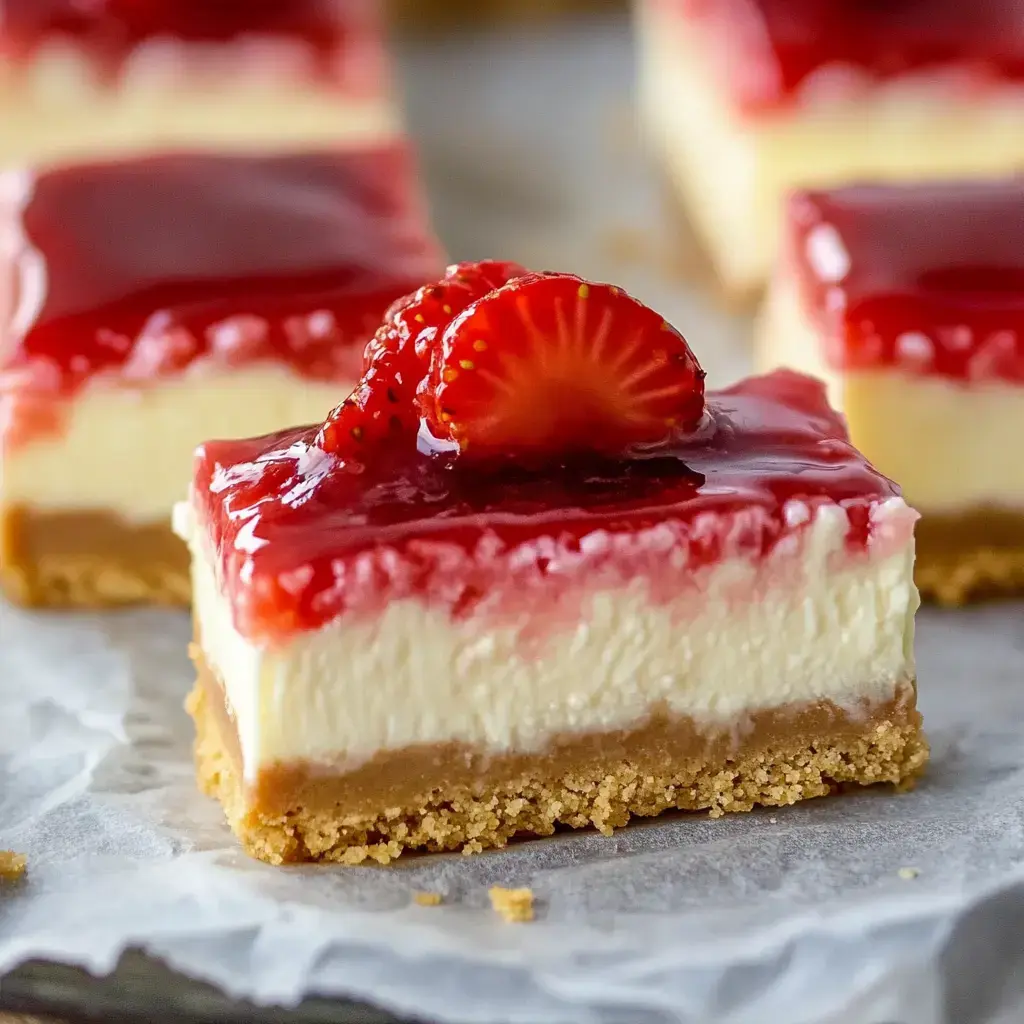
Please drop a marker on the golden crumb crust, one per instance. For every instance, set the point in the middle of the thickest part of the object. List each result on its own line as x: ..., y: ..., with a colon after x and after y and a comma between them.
x: 90, y: 560
x: 433, y: 15
x: 962, y: 577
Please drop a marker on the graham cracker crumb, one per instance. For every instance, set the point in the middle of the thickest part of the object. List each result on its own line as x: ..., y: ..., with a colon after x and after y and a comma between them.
x: 514, y: 905
x: 427, y: 899
x: 971, y: 575
x: 908, y: 874
x: 472, y: 819
x: 12, y: 865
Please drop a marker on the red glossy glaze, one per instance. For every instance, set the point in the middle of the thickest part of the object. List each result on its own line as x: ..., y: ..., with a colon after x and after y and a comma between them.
x: 768, y: 49
x: 926, y: 278
x: 299, y: 540
x: 143, y: 268
x: 111, y: 29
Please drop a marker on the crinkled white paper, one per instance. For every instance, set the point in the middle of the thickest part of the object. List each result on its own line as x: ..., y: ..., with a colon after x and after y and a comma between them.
x: 868, y: 908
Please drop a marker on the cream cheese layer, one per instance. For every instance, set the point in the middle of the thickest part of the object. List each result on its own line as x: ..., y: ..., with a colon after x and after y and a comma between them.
x: 58, y: 107
x: 813, y: 621
x: 941, y: 439
x: 129, y: 450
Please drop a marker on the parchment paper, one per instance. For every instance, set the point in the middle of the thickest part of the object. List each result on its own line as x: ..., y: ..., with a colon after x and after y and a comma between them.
x: 869, y: 908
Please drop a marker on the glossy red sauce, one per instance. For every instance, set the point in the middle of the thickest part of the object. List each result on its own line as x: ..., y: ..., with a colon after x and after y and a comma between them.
x: 927, y: 278
x: 140, y: 269
x: 111, y: 29
x: 300, y: 541
x: 767, y: 49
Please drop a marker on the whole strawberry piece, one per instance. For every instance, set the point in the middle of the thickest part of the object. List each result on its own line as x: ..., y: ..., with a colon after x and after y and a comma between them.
x: 550, y: 364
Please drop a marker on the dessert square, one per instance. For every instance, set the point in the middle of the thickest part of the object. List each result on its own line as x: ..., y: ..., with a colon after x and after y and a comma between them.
x: 909, y: 302
x: 500, y: 613
x: 744, y: 100
x: 114, y: 77
x: 149, y: 304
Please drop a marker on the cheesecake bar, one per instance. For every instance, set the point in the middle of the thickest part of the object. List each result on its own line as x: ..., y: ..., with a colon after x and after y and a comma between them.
x: 743, y: 100
x: 81, y: 80
x: 909, y: 302
x: 149, y: 304
x: 529, y: 575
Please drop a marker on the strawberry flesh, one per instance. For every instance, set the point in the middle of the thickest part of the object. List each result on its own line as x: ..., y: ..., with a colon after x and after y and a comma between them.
x: 550, y: 363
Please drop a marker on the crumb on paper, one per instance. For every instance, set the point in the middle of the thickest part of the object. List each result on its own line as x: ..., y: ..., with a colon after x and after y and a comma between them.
x: 908, y: 874
x: 772, y: 821
x: 12, y: 865
x: 427, y: 899
x: 515, y: 905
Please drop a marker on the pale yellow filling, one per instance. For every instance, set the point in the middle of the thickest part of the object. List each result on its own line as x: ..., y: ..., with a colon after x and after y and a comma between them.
x: 947, y: 443
x: 129, y: 451
x: 733, y: 170
x: 56, y: 109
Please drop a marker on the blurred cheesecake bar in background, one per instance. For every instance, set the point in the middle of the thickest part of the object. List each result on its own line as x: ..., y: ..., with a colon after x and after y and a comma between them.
x: 909, y: 302
x: 743, y: 100
x: 150, y: 304
x: 122, y: 76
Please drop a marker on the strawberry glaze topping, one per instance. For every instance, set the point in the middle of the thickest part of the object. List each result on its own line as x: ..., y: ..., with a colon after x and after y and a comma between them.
x: 332, y: 32
x: 768, y: 50
x: 311, y: 523
x: 926, y: 278
x: 148, y: 268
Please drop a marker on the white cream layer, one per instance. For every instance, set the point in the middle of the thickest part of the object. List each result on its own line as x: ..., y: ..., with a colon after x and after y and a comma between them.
x: 129, y: 451
x: 824, y: 624
x: 945, y: 442
x: 733, y: 170
x: 57, y: 109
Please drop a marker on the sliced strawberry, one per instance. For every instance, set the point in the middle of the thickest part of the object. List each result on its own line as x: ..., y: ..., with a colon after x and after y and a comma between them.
x: 552, y: 363
x: 417, y: 317
x: 378, y: 407
x: 383, y: 403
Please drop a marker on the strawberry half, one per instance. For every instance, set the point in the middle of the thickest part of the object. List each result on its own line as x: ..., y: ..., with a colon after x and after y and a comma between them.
x: 397, y: 358
x: 553, y: 363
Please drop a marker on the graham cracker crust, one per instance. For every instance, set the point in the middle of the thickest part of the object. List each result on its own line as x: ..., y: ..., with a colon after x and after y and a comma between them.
x: 90, y: 560
x: 444, y: 14
x: 970, y: 557
x: 447, y: 798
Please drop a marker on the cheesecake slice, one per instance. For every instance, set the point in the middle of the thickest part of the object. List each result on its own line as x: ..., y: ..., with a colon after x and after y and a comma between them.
x: 146, y: 305
x: 122, y: 76
x: 909, y: 302
x: 743, y: 100
x: 529, y: 575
